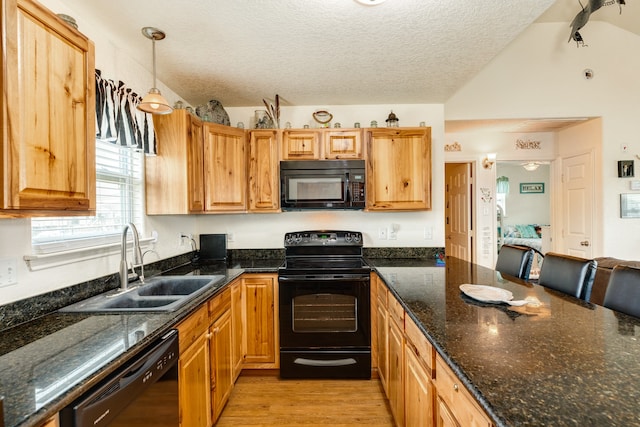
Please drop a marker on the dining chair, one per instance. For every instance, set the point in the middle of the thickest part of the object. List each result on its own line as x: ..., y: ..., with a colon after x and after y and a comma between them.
x: 569, y: 274
x: 623, y: 291
x: 515, y: 261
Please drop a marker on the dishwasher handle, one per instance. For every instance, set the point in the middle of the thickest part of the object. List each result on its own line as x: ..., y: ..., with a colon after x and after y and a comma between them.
x: 101, y: 405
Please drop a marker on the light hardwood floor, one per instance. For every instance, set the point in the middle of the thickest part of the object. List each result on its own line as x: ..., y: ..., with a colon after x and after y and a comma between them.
x: 270, y: 401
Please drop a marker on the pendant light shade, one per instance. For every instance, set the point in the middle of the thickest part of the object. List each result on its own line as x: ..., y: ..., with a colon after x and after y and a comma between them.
x: 154, y: 102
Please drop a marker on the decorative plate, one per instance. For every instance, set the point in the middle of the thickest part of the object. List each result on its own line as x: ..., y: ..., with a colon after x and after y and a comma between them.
x: 486, y: 293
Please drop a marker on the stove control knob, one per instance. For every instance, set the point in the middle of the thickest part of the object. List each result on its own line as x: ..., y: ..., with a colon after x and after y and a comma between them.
x: 298, y: 238
x: 357, y: 237
x: 288, y: 238
x: 347, y: 238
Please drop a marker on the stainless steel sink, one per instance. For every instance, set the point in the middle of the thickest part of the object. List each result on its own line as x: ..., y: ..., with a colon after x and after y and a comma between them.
x: 158, y: 294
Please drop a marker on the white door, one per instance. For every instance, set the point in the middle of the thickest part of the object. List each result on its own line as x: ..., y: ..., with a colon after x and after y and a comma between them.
x: 458, y: 210
x: 577, y: 192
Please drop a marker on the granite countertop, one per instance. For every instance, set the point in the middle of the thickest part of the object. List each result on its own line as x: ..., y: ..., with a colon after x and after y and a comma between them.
x: 47, y: 363
x: 564, y: 363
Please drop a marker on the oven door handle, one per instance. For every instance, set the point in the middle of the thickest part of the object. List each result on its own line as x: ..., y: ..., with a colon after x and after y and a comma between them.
x: 325, y: 363
x: 341, y: 278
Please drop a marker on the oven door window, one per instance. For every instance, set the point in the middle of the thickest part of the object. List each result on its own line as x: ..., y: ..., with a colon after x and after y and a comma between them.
x: 315, y: 188
x: 325, y: 312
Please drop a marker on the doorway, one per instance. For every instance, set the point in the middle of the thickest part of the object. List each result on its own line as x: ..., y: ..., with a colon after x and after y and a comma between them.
x: 458, y: 211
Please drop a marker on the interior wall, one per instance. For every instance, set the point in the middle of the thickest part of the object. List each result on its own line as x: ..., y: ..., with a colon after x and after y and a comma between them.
x: 540, y: 75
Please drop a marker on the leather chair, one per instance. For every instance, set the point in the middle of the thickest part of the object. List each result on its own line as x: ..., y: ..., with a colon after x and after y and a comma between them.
x: 623, y: 291
x: 515, y: 261
x: 568, y: 274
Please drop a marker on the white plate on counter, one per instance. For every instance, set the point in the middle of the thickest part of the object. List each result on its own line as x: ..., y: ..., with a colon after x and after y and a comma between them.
x: 490, y: 294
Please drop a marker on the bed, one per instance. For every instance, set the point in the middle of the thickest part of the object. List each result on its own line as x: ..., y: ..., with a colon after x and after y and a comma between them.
x: 522, y: 234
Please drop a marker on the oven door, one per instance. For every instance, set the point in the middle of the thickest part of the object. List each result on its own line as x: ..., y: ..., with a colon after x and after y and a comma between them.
x: 323, y: 311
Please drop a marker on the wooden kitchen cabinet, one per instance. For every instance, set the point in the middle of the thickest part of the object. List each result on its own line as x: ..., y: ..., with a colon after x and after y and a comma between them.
x: 221, y: 351
x: 419, y: 391
x: 455, y: 405
x: 398, y: 169
x: 262, y: 343
x: 175, y: 176
x: 381, y: 333
x: 301, y: 144
x: 225, y: 168
x: 343, y: 144
x: 48, y: 141
x: 264, y: 166
x: 237, y: 327
x: 395, y: 381
x: 194, y: 380
x: 52, y: 422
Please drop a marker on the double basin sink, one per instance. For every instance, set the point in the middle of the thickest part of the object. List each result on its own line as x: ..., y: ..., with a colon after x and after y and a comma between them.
x: 158, y: 294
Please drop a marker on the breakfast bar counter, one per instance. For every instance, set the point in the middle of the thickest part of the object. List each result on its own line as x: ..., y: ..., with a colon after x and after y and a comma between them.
x: 558, y: 361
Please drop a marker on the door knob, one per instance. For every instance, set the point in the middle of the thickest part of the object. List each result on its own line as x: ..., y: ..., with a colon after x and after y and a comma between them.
x: 584, y: 243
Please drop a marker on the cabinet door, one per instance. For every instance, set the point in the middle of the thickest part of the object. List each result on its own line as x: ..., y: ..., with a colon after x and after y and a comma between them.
x: 48, y: 147
x: 345, y: 144
x: 396, y: 368
x: 301, y: 145
x: 237, y: 327
x: 264, y: 188
x: 399, y: 169
x: 221, y: 362
x: 225, y: 167
x: 174, y: 176
x: 453, y: 396
x: 262, y: 345
x: 382, y: 328
x: 195, y: 164
x: 194, y: 384
x: 418, y: 392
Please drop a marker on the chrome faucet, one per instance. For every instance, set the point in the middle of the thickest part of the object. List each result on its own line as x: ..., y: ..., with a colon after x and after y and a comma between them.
x: 137, y: 257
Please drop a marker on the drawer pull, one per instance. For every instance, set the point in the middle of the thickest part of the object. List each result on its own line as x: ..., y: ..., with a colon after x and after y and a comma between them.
x: 455, y: 387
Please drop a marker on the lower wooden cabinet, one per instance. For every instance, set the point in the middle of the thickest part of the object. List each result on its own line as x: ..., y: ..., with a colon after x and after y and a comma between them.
x: 52, y: 422
x: 456, y: 406
x: 262, y: 344
x: 395, y: 382
x: 418, y: 391
x: 237, y: 327
x: 221, y: 350
x: 194, y: 384
x: 381, y: 334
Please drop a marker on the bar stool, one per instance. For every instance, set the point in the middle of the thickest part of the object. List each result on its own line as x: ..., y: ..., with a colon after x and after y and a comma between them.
x: 623, y: 291
x: 515, y: 261
x: 568, y: 274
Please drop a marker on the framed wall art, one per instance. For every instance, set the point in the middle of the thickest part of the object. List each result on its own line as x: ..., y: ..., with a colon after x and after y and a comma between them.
x: 630, y: 205
x: 531, y: 187
x: 625, y: 169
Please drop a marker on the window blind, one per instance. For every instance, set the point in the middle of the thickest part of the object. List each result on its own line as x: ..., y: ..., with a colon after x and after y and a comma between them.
x: 119, y: 200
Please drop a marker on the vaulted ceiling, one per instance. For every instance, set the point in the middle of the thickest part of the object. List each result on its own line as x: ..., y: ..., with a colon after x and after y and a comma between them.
x: 326, y: 52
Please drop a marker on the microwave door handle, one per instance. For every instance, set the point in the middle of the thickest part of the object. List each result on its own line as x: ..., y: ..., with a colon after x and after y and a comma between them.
x: 347, y: 190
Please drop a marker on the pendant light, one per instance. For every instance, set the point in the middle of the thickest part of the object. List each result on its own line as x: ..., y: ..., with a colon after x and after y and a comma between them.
x: 154, y: 102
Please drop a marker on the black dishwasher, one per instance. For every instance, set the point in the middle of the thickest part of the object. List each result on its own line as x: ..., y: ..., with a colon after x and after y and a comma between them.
x: 143, y: 392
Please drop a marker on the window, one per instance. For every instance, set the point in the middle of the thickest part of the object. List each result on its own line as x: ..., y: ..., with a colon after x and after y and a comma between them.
x: 119, y: 200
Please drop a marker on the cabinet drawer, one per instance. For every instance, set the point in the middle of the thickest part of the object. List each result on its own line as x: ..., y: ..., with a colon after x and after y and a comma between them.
x: 395, y: 310
x: 457, y: 398
x: 382, y: 293
x: 219, y: 304
x: 422, y: 347
x: 192, y: 327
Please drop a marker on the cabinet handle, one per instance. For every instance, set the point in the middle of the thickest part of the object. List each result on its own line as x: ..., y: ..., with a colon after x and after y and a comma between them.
x: 455, y: 387
x: 216, y: 330
x: 209, y: 335
x: 584, y: 243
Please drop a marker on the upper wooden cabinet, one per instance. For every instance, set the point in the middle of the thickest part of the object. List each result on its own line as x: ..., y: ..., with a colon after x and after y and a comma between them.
x: 264, y: 177
x: 399, y: 169
x: 225, y: 168
x: 48, y: 114
x: 343, y: 144
x: 200, y: 167
x: 175, y: 176
x: 301, y: 144
x: 325, y: 143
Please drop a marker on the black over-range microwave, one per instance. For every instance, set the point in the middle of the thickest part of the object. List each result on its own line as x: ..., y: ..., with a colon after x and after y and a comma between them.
x: 322, y: 184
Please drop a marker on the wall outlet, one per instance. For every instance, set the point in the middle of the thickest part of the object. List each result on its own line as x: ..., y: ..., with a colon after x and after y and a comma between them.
x: 428, y: 233
x: 392, y: 234
x: 382, y: 233
x: 230, y: 237
x: 8, y: 271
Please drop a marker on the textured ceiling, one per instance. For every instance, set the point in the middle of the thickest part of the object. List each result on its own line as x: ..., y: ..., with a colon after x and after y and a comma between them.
x: 316, y: 52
